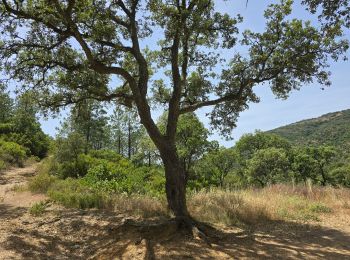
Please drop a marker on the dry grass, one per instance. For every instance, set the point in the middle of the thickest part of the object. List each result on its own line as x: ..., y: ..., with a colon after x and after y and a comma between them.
x: 226, y: 207
x: 277, y: 202
x: 141, y: 205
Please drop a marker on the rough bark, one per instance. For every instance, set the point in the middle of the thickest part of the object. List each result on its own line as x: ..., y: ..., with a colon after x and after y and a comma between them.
x: 129, y: 139
x: 175, y: 183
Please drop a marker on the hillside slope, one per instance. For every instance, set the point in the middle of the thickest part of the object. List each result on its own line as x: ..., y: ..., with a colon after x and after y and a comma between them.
x: 330, y: 129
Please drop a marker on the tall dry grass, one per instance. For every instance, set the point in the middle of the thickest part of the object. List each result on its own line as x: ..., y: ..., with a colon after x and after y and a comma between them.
x: 139, y: 205
x: 276, y: 202
x: 226, y: 207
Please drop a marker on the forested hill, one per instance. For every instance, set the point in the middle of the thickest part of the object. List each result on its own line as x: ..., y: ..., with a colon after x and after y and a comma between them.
x: 330, y: 129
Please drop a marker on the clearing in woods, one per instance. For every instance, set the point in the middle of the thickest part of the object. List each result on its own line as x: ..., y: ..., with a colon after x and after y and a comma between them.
x: 62, y: 233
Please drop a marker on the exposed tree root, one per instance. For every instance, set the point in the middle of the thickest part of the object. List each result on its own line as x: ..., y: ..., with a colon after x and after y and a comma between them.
x: 166, y: 230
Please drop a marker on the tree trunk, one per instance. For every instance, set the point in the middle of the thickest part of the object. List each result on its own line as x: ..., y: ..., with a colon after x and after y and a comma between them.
x: 175, y: 185
x: 129, y: 139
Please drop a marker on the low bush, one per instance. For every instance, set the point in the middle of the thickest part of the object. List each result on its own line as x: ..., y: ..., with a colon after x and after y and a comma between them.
x: 37, y: 209
x: 112, y: 177
x: 71, y: 193
x: 109, y: 155
x: 82, y: 163
x: 6, y: 128
x: 41, y: 183
x: 320, y: 208
x: 12, y: 153
x: 341, y: 176
x: 2, y: 165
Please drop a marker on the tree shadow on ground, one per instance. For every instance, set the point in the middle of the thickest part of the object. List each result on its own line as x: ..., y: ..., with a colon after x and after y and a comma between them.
x: 273, y: 240
x: 9, y: 212
x: 90, y: 234
x: 3, y: 179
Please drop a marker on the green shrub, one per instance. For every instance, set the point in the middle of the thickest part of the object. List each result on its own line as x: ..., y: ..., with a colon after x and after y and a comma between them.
x: 150, y: 180
x: 6, y: 128
x: 12, y: 153
x: 81, y: 164
x: 341, y: 175
x: 71, y: 193
x: 75, y: 168
x: 109, y: 155
x: 36, y: 144
x: 320, y: 208
x: 107, y: 176
x: 105, y: 170
x: 37, y: 209
x: 41, y: 183
x: 2, y: 165
x: 112, y: 177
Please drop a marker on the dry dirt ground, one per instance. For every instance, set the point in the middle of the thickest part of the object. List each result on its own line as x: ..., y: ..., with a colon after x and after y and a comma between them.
x: 90, y: 234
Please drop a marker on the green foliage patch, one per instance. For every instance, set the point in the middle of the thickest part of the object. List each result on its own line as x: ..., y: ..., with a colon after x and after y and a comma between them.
x: 72, y: 193
x: 12, y: 153
x: 37, y: 209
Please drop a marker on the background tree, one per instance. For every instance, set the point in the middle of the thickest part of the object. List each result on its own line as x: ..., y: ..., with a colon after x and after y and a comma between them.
x: 6, y: 105
x: 148, y: 153
x: 249, y: 144
x: 268, y: 166
x: 303, y: 165
x: 191, y: 139
x: 117, y: 126
x: 72, y: 46
x: 127, y: 131
x: 333, y: 12
x: 216, y: 165
x: 323, y: 156
x: 89, y: 118
x: 341, y: 175
x: 68, y: 150
x: 26, y: 129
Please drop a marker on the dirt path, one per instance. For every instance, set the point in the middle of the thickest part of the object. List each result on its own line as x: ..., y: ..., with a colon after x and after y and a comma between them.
x: 62, y: 233
x: 15, y: 178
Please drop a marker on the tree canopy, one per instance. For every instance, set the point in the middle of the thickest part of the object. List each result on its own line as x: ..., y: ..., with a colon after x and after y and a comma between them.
x: 71, y: 50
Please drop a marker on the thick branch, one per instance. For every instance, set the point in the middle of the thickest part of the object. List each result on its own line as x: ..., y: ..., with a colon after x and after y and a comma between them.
x: 67, y: 100
x: 194, y: 107
x: 174, y: 102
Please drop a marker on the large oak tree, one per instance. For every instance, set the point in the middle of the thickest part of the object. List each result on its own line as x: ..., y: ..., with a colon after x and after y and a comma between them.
x: 70, y: 50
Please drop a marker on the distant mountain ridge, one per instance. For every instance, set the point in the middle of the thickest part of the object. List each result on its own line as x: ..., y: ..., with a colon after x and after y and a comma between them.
x: 330, y: 129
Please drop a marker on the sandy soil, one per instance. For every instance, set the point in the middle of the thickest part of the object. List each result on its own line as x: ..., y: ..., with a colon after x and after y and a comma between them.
x: 90, y: 234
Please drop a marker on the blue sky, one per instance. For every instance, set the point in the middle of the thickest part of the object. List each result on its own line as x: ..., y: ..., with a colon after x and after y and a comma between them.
x: 270, y: 113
